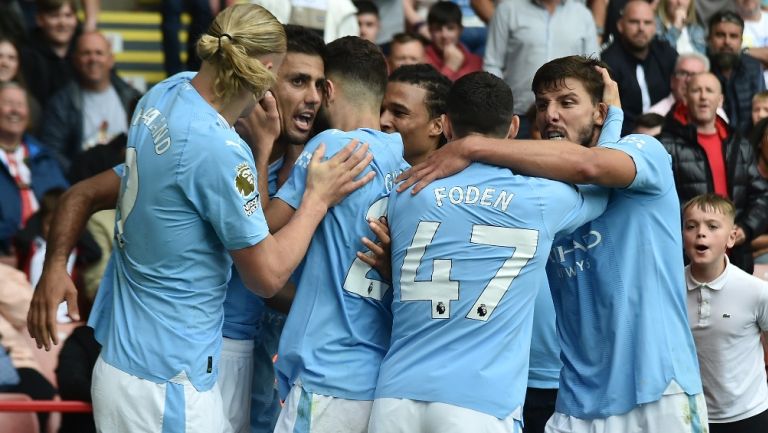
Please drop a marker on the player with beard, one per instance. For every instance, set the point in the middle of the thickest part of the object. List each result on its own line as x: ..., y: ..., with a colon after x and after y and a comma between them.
x: 252, y: 329
x: 617, y: 282
x: 740, y: 75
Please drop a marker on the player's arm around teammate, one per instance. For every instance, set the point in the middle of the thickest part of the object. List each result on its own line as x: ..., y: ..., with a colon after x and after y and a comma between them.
x: 561, y: 160
x: 263, y: 266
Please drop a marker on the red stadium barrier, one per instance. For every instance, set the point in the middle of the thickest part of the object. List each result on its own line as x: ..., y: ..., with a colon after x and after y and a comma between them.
x: 45, y: 406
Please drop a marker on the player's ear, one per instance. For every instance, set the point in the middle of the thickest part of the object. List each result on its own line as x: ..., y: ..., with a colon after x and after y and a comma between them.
x: 437, y: 125
x: 330, y: 90
x: 600, y: 113
x: 514, y: 127
x: 731, y: 237
x: 447, y: 128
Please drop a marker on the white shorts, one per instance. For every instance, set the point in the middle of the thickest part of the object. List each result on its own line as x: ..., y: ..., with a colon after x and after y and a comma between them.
x: 235, y: 377
x: 673, y: 413
x: 305, y: 412
x: 394, y: 415
x: 126, y: 403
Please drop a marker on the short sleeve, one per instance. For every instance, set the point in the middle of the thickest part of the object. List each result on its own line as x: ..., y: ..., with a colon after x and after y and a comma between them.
x: 576, y: 206
x: 221, y: 185
x: 762, y: 307
x: 653, y: 165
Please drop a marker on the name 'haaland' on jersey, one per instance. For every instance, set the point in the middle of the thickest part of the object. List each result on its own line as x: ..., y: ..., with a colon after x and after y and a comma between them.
x: 472, y: 195
x: 572, y: 255
x: 157, y: 124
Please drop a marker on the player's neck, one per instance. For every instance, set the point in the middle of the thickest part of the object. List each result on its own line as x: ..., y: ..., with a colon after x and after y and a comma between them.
x: 706, y: 272
x: 346, y: 117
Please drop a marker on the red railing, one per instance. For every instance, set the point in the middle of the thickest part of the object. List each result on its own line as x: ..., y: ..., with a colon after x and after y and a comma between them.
x: 45, y: 406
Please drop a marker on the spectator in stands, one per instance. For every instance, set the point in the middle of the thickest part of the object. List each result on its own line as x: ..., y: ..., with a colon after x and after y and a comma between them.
x: 446, y: 52
x: 331, y: 19
x: 759, y: 139
x: 475, y: 32
x: 710, y: 156
x: 9, y: 60
x: 687, y: 66
x: 676, y: 22
x: 708, y: 8
x: 10, y: 70
x: 406, y: 49
x: 368, y: 20
x: 16, y: 294
x: 523, y: 35
x: 641, y: 64
x: 755, y: 38
x: 759, y: 107
x: 415, y: 105
x: 392, y: 21
x: 649, y: 124
x: 27, y: 169
x: 740, y: 76
x: 92, y: 109
x: 728, y: 313
x: 31, y: 243
x: 46, y: 59
x: 416, y: 12
x: 201, y: 14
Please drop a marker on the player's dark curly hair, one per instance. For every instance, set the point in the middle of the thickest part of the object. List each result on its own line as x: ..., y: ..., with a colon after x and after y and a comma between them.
x: 426, y: 77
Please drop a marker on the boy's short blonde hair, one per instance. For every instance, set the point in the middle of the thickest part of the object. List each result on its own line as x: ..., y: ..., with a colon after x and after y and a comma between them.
x: 712, y: 203
x: 760, y: 96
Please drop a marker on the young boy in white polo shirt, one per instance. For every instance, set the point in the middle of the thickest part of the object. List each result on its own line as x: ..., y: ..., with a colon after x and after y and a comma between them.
x: 727, y: 311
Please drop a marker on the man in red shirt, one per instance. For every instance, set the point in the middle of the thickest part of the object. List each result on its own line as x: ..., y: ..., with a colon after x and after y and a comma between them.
x: 446, y: 53
x: 708, y: 156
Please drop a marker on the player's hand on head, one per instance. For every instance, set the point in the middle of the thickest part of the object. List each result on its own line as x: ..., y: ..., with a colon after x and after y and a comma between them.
x: 261, y: 127
x: 611, y: 95
x: 379, y: 256
x: 55, y: 286
x: 446, y: 161
x: 337, y: 177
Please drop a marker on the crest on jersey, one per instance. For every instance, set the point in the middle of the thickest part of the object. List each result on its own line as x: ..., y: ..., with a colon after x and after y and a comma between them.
x: 245, y: 181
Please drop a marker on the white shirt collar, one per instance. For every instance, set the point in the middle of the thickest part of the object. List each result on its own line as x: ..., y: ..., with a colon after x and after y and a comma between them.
x: 716, y: 284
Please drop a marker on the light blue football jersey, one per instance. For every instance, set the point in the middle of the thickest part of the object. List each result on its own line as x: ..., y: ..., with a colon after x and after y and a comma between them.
x: 243, y: 308
x: 468, y: 257
x: 339, y: 326
x: 619, y: 294
x: 545, y: 364
x: 188, y: 195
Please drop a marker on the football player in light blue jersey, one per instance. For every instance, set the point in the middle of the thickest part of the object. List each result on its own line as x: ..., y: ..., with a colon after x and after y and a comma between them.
x: 187, y: 207
x: 252, y: 329
x: 338, y: 328
x: 468, y: 256
x: 617, y: 282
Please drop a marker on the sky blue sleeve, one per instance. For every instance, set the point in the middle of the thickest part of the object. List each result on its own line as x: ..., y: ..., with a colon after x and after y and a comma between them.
x: 221, y: 184
x: 653, y: 165
x: 575, y: 207
x: 611, y: 131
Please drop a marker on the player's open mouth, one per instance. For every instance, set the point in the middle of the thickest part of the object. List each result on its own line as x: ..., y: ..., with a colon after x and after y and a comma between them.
x: 304, y: 120
x: 555, y: 135
x: 702, y: 248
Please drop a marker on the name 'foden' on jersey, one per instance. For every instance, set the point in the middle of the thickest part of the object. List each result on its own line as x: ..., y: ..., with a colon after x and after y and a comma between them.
x: 473, y: 196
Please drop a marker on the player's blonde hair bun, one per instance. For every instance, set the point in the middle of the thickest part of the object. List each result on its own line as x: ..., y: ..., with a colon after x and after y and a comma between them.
x: 237, y: 36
